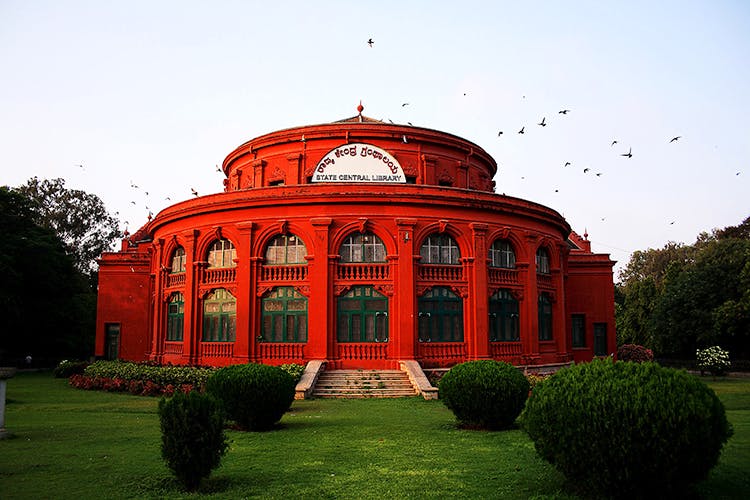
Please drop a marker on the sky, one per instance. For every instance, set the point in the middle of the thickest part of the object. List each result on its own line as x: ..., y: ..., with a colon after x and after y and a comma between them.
x: 155, y: 94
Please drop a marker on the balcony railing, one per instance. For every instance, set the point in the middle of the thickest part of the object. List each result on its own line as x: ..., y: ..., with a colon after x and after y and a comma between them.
x: 367, y: 272
x: 435, y: 272
x: 174, y: 348
x: 175, y: 280
x: 364, y: 350
x: 283, y: 273
x: 452, y: 352
x: 217, y: 349
x: 219, y: 275
x: 502, y: 276
x: 505, y: 349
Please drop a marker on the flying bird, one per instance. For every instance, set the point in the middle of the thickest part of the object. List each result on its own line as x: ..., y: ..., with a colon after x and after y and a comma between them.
x: 613, y: 143
x: 133, y: 185
x: 541, y: 123
x: 168, y: 198
x: 521, y: 131
x: 564, y: 111
x: 629, y: 154
x: 194, y: 192
x: 370, y: 42
x: 132, y: 203
x: 567, y: 163
x: 500, y: 133
x: 598, y: 174
x: 405, y: 104
x: 674, y: 139
x: 586, y: 170
x: 80, y: 165
x: 219, y: 169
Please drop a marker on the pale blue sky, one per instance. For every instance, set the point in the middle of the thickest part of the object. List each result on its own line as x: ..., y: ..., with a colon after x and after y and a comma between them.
x: 158, y: 93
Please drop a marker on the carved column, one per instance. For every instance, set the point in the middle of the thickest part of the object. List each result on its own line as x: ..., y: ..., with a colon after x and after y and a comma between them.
x: 403, y: 337
x: 530, y: 306
x: 246, y: 301
x: 192, y: 312
x: 158, y: 326
x: 478, y: 333
x: 320, y: 312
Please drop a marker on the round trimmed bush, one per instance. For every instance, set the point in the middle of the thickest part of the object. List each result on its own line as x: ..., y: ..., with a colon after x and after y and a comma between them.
x: 484, y: 394
x: 635, y: 353
x: 192, y: 439
x: 627, y: 429
x: 255, y: 396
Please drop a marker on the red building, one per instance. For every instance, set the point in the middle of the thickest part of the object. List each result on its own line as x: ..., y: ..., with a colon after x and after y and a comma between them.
x: 363, y: 244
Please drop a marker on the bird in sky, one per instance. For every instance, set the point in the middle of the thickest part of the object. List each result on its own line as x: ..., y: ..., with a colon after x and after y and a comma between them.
x: 521, y: 131
x: 541, y: 123
x: 80, y: 165
x: 370, y: 42
x: 737, y: 173
x: 567, y: 163
x: 557, y: 190
x: 598, y: 174
x: 410, y: 124
x: 194, y: 192
x: 405, y: 104
x: 219, y: 169
x: 671, y: 223
x: 500, y: 133
x: 132, y: 203
x: 674, y: 139
x: 586, y: 170
x: 168, y: 198
x: 613, y: 143
x: 133, y: 185
x: 629, y: 154
x: 564, y: 111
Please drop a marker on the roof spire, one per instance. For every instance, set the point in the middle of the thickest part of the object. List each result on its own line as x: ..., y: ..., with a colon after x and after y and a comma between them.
x: 360, y: 108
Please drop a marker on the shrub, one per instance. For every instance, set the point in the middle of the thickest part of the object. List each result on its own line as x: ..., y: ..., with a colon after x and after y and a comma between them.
x: 484, y: 394
x: 627, y: 429
x: 192, y: 436
x: 635, y: 353
x: 255, y: 396
x: 714, y: 360
x: 66, y: 368
x: 294, y: 370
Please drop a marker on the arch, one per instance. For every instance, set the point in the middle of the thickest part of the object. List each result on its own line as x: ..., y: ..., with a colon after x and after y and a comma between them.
x: 208, y: 236
x: 221, y: 254
x: 437, y: 248
x: 502, y: 254
x: 366, y: 247
x: 264, y: 236
x: 444, y: 228
x: 178, y: 260
x: 542, y: 260
x: 285, y: 249
x: 514, y: 238
x: 337, y: 238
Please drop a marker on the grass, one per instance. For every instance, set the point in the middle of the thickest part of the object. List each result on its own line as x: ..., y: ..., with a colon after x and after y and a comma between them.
x: 76, y: 444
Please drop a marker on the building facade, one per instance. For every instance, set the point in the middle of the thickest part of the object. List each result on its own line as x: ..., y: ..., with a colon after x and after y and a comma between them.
x: 361, y: 243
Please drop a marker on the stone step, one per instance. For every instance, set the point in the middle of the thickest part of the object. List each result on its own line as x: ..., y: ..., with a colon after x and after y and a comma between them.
x: 364, y: 384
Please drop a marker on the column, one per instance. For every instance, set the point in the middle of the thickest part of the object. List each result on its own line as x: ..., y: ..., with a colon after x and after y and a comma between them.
x: 529, y: 308
x: 478, y: 333
x: 246, y: 300
x: 192, y: 314
x: 158, y: 323
x: 321, y: 291
x: 404, y: 328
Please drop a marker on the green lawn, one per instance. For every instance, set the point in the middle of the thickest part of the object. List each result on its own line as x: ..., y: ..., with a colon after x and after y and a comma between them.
x: 76, y: 444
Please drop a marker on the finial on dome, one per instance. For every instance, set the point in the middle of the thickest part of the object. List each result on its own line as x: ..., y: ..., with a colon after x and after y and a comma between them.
x: 585, y: 234
x: 360, y: 108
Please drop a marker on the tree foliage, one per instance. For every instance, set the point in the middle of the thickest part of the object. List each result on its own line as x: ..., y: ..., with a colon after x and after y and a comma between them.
x: 46, y: 307
x: 679, y: 298
x: 78, y: 218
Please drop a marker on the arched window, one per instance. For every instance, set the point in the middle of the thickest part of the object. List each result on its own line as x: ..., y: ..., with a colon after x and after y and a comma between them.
x: 178, y: 260
x: 542, y: 261
x: 285, y: 249
x: 175, y: 317
x: 219, y: 316
x: 504, y: 317
x: 222, y: 254
x: 441, y: 316
x: 362, y: 247
x: 439, y: 249
x: 285, y: 316
x: 502, y: 255
x: 363, y: 316
x: 545, y: 317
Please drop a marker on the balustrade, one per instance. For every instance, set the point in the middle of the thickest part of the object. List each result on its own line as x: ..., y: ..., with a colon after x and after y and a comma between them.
x: 544, y: 280
x: 219, y: 275
x: 217, y: 349
x: 504, y: 349
x: 503, y: 276
x: 282, y: 350
x: 175, y: 280
x: 366, y: 272
x: 363, y: 351
x: 433, y: 272
x: 283, y: 273
x: 174, y: 348
x: 444, y: 351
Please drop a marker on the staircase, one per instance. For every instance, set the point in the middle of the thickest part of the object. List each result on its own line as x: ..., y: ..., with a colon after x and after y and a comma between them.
x: 363, y: 384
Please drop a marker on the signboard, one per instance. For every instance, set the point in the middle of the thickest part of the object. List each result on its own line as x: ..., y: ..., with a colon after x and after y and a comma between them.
x: 358, y: 162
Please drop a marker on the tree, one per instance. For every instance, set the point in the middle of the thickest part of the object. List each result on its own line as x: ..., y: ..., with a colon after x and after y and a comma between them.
x: 46, y: 308
x: 78, y: 218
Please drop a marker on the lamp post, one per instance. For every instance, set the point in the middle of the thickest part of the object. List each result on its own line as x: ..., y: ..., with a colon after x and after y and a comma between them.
x: 6, y: 372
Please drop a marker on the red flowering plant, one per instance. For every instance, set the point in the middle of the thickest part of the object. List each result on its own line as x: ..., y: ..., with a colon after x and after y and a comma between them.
x: 635, y: 353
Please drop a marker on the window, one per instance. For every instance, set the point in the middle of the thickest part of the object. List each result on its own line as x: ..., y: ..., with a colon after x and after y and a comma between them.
x: 363, y: 316
x: 600, y: 339
x: 502, y: 255
x: 542, y: 261
x: 441, y: 316
x: 285, y: 249
x: 545, y: 317
x: 178, y: 260
x: 504, y: 317
x: 362, y: 247
x: 222, y: 254
x: 439, y: 249
x: 112, y: 346
x: 578, y: 330
x: 219, y: 317
x: 175, y: 317
x: 285, y: 316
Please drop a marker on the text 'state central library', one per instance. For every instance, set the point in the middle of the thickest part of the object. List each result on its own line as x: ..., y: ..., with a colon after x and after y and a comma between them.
x: 362, y: 244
